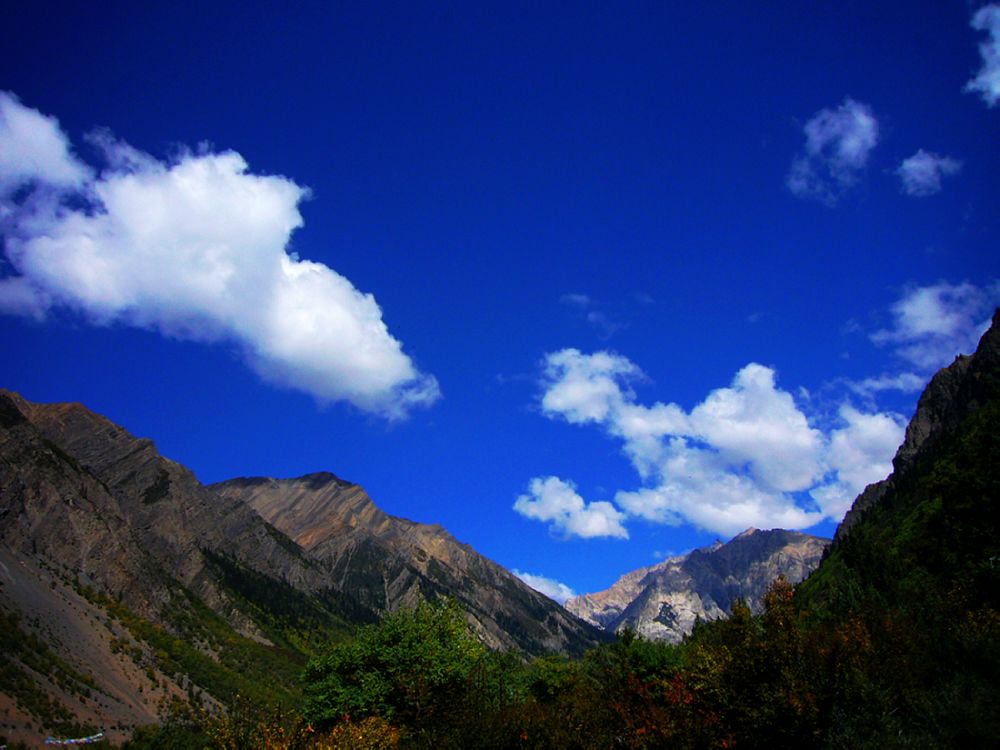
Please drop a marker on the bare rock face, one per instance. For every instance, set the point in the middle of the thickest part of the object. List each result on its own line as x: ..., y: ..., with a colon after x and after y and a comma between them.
x: 952, y: 394
x: 82, y: 493
x: 663, y: 602
x: 93, y: 520
x: 387, y: 562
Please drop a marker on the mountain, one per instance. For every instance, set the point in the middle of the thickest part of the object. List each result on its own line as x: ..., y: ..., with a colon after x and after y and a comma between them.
x: 911, y: 583
x: 386, y: 562
x: 952, y: 395
x: 127, y: 586
x: 664, y: 601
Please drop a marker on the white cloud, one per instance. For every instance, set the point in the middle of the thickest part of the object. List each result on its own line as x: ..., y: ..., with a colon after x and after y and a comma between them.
x: 196, y: 248
x: 745, y: 456
x: 756, y: 424
x: 987, y: 80
x: 921, y: 173
x: 907, y: 382
x: 555, y: 590
x: 838, y: 142
x: 585, y: 388
x: 554, y: 501
x: 575, y: 299
x: 932, y: 324
x: 859, y: 453
x: 696, y: 485
x: 34, y: 149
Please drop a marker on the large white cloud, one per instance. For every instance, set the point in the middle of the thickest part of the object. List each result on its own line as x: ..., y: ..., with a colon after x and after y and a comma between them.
x: 756, y: 424
x: 932, y: 324
x: 556, y: 502
x: 921, y: 173
x: 987, y: 81
x: 196, y: 248
x: 838, y: 142
x: 697, y: 485
x: 745, y: 456
x: 748, y: 455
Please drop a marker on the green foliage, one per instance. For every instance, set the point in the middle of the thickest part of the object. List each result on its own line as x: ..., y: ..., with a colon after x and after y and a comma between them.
x: 408, y: 669
x: 293, y: 619
x: 204, y: 649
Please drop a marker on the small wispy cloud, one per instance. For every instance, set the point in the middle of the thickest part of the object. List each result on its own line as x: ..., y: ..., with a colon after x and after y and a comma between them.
x: 196, y: 248
x: 987, y: 81
x: 905, y: 382
x: 555, y: 590
x: 587, y: 309
x: 932, y: 324
x: 838, y: 143
x: 921, y: 173
x: 573, y: 299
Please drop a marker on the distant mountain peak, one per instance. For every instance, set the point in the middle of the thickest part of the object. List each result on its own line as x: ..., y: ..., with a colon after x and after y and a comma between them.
x: 664, y: 601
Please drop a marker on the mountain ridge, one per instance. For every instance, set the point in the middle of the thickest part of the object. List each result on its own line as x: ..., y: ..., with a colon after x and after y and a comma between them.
x: 119, y: 567
x: 340, y: 526
x: 664, y: 601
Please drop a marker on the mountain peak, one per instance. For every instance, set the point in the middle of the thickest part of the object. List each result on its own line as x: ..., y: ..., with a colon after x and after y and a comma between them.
x: 664, y: 601
x: 319, y: 479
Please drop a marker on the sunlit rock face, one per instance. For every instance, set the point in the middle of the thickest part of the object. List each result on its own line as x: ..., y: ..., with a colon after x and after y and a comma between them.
x: 664, y: 601
x: 386, y: 562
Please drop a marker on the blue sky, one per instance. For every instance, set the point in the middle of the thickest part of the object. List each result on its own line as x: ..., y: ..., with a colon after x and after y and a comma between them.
x: 586, y: 284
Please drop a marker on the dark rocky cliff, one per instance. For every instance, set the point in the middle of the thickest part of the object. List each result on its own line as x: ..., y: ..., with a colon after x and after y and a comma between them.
x: 953, y: 394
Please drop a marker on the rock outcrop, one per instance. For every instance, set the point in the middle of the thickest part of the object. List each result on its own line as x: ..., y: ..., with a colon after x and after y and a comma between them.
x: 664, y: 601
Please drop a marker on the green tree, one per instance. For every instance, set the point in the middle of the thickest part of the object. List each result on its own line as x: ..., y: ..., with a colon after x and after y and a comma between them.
x: 409, y: 669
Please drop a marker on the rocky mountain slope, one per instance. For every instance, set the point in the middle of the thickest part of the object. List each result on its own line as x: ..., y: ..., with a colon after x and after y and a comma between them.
x: 125, y: 584
x: 123, y: 581
x: 664, y: 601
x: 386, y: 561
